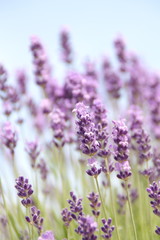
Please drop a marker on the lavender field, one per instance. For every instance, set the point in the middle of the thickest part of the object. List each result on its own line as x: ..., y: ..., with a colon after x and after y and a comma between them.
x: 81, y: 157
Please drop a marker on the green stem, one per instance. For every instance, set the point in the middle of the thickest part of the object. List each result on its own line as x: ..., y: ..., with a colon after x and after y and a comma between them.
x: 7, y: 212
x: 96, y: 180
x: 112, y: 200
x: 99, y: 230
x: 131, y: 213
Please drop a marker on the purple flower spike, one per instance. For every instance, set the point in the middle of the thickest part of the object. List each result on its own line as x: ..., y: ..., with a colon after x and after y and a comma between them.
x: 43, y: 169
x: 86, y: 130
x: 75, y: 206
x: 21, y: 81
x: 3, y: 77
x: 58, y: 124
x: 121, y: 200
x: 107, y: 228
x: 135, y: 120
x: 87, y: 227
x: 9, y: 136
x: 33, y: 151
x: 94, y: 203
x: 66, y: 216
x: 48, y: 235
x: 157, y: 230
x: 65, y: 46
x: 24, y: 190
x: 120, y: 138
x: 36, y: 219
x: 100, y: 119
x: 94, y: 169
x: 154, y: 193
x: 124, y: 170
x: 40, y: 61
x: 143, y: 141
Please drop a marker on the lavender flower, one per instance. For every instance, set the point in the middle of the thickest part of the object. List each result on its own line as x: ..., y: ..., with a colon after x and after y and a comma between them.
x: 154, y: 104
x: 107, y: 228
x: 94, y: 203
x: 48, y: 235
x: 155, y: 170
x: 157, y: 230
x: 7, y: 106
x: 21, y: 81
x: 12, y: 96
x: 3, y: 221
x: 133, y: 195
x: 9, y: 136
x: 143, y: 141
x: 90, y: 70
x: 124, y: 170
x: 58, y: 124
x: 36, y: 220
x: 43, y: 169
x: 65, y: 46
x: 100, y: 119
x: 120, y: 48
x: 66, y: 216
x: 87, y: 227
x: 3, y: 77
x: 33, y: 151
x: 135, y: 120
x: 40, y: 61
x: 120, y: 138
x: 121, y: 200
x: 114, y: 84
x: 94, y: 170
x: 46, y: 106
x: 86, y: 130
x: 154, y: 194
x: 24, y: 190
x: 75, y: 206
x: 106, y: 67
x: 75, y: 88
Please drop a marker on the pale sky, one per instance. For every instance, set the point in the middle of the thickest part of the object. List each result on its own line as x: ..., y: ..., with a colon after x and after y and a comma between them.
x: 93, y: 25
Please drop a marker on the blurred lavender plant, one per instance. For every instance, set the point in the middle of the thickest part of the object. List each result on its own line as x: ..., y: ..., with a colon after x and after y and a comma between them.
x: 9, y: 137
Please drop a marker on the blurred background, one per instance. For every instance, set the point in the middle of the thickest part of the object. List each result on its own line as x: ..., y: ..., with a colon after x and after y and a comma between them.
x: 93, y: 25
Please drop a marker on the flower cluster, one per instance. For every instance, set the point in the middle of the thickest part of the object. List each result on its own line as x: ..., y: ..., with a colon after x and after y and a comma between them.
x: 87, y: 227
x: 9, y: 136
x: 36, y: 220
x: 154, y: 194
x: 48, y: 235
x: 24, y: 190
x: 94, y: 169
x: 101, y: 129
x: 33, y: 151
x: 120, y: 138
x: 75, y: 206
x: 121, y: 149
x: 107, y: 229
x: 40, y: 61
x: 94, y: 203
x: 65, y: 46
x: 86, y: 130
x: 58, y: 125
x: 66, y: 216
